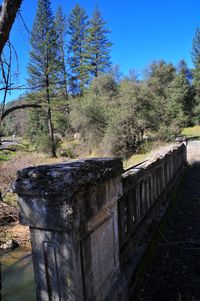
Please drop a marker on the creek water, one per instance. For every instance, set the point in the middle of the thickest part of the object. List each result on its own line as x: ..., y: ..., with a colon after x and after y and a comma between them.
x: 17, y: 276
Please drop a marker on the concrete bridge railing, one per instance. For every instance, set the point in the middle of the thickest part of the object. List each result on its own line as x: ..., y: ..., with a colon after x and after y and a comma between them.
x: 144, y: 189
x: 86, y: 219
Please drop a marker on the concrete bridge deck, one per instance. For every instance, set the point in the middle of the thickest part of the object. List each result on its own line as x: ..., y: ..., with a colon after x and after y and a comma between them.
x: 173, y: 267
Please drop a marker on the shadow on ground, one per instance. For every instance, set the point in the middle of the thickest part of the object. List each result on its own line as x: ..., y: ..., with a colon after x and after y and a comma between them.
x: 173, y: 272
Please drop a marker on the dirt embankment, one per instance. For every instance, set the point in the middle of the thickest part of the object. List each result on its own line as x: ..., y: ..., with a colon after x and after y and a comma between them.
x: 9, y: 225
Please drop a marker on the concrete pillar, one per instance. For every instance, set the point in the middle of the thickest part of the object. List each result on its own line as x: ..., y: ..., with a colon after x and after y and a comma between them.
x: 71, y: 209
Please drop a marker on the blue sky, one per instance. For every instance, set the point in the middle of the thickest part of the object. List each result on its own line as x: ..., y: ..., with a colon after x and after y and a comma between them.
x: 141, y: 31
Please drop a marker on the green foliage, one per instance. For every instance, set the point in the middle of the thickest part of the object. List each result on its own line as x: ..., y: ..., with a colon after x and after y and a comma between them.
x: 171, y: 97
x: 61, y: 30
x: 88, y: 116
x: 159, y: 75
x: 15, y: 122
x: 98, y: 45
x: 83, y: 93
x: 104, y: 87
x: 180, y: 99
x: 60, y: 113
x: 43, y: 54
x: 77, y: 55
x: 69, y: 151
x: 196, y: 73
x: 196, y: 48
x: 88, y: 48
x: 122, y: 135
x: 5, y: 155
x: 43, y: 143
x: 119, y: 117
x: 37, y: 122
x: 44, y: 66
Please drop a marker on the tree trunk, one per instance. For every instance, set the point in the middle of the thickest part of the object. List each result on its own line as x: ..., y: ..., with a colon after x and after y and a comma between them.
x: 96, y: 71
x: 50, y: 124
x: 8, y: 11
x: 65, y: 72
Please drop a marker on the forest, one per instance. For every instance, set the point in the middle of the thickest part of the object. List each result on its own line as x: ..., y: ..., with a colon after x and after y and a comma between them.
x: 76, y: 92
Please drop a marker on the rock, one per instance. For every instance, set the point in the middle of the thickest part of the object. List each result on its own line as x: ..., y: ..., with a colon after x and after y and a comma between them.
x: 9, y: 245
x: 181, y: 139
x: 77, y: 136
x: 8, y: 214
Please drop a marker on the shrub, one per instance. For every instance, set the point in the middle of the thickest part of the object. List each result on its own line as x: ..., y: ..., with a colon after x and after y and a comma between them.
x: 43, y: 143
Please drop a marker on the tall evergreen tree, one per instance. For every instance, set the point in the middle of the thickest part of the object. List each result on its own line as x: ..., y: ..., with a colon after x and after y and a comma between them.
x: 196, y: 59
x: 180, y: 98
x: 159, y: 77
x: 43, y: 60
x: 98, y: 45
x: 78, y: 68
x: 61, y: 108
x: 61, y: 29
x: 196, y: 72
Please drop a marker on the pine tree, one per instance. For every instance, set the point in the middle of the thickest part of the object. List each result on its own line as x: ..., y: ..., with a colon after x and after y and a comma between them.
x: 61, y: 108
x: 61, y: 29
x: 78, y: 68
x: 196, y: 59
x: 43, y: 60
x: 185, y: 83
x: 180, y: 98
x: 98, y: 45
x: 196, y: 72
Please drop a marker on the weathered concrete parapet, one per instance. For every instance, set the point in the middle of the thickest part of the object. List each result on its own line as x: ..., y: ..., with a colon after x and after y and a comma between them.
x: 71, y: 209
x: 87, y: 219
x: 145, y: 188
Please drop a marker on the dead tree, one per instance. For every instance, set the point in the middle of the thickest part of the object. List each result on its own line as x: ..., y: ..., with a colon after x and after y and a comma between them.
x: 8, y: 11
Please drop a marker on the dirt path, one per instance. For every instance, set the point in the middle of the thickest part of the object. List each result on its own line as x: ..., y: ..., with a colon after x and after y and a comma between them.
x: 174, y: 271
x: 193, y: 151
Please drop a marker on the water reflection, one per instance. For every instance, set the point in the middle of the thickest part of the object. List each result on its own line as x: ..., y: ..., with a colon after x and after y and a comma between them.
x: 17, y: 276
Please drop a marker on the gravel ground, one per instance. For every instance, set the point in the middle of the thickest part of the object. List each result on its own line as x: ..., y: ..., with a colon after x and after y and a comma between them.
x: 173, y: 272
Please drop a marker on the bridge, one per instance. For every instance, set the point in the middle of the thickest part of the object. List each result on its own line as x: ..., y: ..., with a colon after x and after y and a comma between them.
x: 93, y: 223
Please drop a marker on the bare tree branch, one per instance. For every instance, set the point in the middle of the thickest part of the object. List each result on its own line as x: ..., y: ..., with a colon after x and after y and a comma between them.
x: 6, y: 78
x: 24, y: 106
x: 8, y: 12
x: 24, y: 23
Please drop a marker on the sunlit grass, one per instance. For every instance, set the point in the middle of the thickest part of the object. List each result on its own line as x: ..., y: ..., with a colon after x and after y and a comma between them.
x: 191, y: 131
x: 10, y: 199
x: 135, y: 159
x: 5, y: 156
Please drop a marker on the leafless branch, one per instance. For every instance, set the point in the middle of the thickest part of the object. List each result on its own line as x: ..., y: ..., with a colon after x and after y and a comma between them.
x: 8, y: 149
x: 19, y: 107
x: 24, y: 22
x: 6, y: 78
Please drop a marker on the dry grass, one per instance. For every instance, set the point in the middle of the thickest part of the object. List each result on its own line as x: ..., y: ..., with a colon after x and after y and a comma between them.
x: 21, y: 160
x: 191, y: 131
x: 157, y: 149
x: 17, y: 232
x: 8, y: 170
x: 135, y: 159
